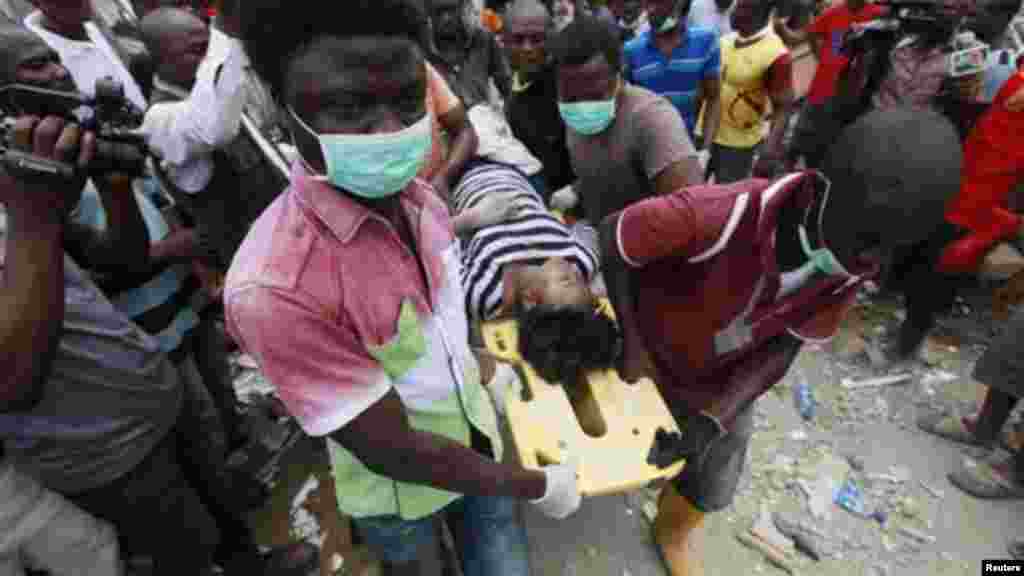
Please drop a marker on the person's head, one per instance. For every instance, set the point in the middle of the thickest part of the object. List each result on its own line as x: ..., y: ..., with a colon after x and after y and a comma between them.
x: 28, y: 60
x: 856, y: 5
x: 562, y: 344
x: 146, y: 6
x: 178, y: 41
x: 344, y: 79
x: 667, y: 16
x: 892, y: 173
x: 557, y: 283
x: 994, y: 17
x: 65, y: 14
x: 527, y: 26
x: 631, y: 10
x: 588, y: 59
x: 751, y: 16
x: 561, y: 330
x: 446, y: 17
x: 563, y: 12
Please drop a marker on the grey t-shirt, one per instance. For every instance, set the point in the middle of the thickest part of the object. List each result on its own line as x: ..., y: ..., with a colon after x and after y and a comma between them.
x: 617, y: 167
x: 112, y: 395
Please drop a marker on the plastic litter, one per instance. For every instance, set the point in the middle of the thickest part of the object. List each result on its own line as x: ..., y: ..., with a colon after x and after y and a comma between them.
x: 880, y: 516
x: 803, y: 398
x: 850, y: 498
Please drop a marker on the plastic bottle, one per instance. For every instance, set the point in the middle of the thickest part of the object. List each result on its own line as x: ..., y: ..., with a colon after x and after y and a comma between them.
x: 803, y: 397
x: 850, y: 498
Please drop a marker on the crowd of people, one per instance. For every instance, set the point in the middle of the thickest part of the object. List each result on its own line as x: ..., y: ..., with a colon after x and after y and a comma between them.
x: 344, y: 193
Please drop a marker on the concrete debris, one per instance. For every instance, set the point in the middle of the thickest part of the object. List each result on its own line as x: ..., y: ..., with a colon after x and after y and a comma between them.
x: 650, y: 511
x: 938, y: 377
x: 909, y: 507
x: 804, y: 540
x: 916, y: 535
x: 851, y: 384
x: 900, y: 473
x: 931, y: 490
x: 877, y: 356
x: 829, y: 474
x: 856, y: 462
x: 879, y: 570
x: 798, y: 435
x: 765, y: 529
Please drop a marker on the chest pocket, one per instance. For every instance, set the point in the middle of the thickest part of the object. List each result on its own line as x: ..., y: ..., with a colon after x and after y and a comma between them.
x: 408, y: 346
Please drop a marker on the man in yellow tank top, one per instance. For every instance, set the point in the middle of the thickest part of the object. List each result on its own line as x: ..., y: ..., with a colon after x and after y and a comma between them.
x: 757, y: 90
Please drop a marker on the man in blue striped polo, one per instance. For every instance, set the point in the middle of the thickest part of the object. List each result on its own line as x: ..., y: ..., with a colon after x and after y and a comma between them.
x: 679, y: 62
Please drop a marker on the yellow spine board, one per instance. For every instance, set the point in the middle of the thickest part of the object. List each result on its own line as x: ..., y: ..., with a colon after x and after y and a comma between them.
x: 610, y: 431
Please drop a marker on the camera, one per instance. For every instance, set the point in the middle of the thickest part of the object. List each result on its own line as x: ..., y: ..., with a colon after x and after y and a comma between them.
x: 109, y: 115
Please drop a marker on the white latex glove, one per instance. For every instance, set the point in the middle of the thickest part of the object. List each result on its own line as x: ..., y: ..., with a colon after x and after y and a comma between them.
x: 494, y: 209
x: 564, y: 199
x: 703, y: 157
x: 562, y: 494
x: 504, y: 382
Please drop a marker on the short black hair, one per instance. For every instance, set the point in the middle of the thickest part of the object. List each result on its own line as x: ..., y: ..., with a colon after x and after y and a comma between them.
x: 764, y: 10
x: 584, y: 38
x: 274, y: 31
x: 892, y: 173
x: 563, y: 343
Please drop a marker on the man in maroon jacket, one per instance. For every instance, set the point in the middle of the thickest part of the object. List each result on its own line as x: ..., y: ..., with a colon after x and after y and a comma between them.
x: 716, y: 288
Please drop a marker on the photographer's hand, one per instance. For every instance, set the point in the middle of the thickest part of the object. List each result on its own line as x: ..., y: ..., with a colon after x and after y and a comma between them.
x: 32, y: 258
x: 123, y: 247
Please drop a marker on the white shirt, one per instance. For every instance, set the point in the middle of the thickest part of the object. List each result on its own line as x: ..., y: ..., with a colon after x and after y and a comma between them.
x: 88, y: 61
x: 184, y: 134
x: 497, y: 142
x: 704, y: 13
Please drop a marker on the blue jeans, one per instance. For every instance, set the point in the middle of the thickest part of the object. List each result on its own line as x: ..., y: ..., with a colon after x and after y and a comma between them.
x: 490, y: 538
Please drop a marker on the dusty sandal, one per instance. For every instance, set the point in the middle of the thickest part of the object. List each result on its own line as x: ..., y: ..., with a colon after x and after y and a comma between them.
x: 983, y: 480
x: 948, y: 427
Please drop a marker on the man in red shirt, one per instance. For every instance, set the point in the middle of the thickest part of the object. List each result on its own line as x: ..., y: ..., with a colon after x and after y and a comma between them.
x: 826, y: 33
x: 993, y: 166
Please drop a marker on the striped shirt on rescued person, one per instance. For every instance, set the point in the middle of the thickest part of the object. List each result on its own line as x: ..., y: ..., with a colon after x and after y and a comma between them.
x: 533, y: 236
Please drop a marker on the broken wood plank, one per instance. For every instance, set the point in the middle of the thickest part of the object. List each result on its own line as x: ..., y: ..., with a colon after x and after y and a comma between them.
x: 771, y: 553
x: 916, y: 535
x: 850, y: 384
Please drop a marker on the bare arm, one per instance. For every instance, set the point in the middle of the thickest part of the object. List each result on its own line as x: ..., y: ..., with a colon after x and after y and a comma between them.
x: 32, y: 300
x: 710, y: 92
x: 795, y: 36
x: 383, y: 441
x: 682, y: 174
x: 123, y: 247
x: 782, y: 98
x: 635, y: 362
x: 32, y: 295
x: 501, y: 71
x: 463, y: 146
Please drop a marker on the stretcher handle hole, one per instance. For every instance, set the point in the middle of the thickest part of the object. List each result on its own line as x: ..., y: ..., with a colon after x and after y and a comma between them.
x: 525, y: 392
x: 585, y: 407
